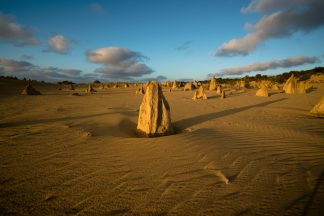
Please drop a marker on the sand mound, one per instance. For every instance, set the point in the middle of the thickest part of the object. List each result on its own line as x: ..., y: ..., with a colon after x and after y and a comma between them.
x: 30, y: 90
x: 290, y: 85
x: 212, y: 85
x: 262, y: 92
x: 318, y: 109
x: 154, y: 114
x: 199, y: 94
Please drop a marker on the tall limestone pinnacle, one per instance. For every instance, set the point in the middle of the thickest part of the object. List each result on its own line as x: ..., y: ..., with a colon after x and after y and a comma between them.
x: 212, y: 84
x: 154, y: 115
x: 290, y: 86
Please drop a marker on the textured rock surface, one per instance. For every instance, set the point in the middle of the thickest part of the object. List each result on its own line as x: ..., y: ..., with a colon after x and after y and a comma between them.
x: 175, y: 84
x: 318, y: 109
x: 219, y: 90
x: 242, y: 84
x: 212, y: 84
x: 154, y: 115
x: 262, y: 92
x: 301, y: 88
x: 290, y: 85
x: 188, y: 87
x: 223, y: 95
x: 275, y: 87
x: 29, y: 90
x: 199, y: 94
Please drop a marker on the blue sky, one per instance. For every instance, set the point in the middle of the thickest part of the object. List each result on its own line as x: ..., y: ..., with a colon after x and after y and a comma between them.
x: 184, y: 39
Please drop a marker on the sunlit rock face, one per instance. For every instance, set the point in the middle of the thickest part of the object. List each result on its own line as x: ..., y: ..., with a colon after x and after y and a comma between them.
x: 262, y: 92
x: 290, y: 86
x: 212, y: 85
x: 318, y: 109
x: 199, y: 94
x: 188, y: 87
x: 154, y: 115
x: 223, y: 96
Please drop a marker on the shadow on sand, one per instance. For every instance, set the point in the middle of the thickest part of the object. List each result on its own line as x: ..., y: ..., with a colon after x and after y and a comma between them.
x: 185, y: 123
x: 70, y: 118
x: 313, y: 193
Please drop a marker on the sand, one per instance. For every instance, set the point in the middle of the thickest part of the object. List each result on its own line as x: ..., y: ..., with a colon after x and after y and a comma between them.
x: 245, y: 155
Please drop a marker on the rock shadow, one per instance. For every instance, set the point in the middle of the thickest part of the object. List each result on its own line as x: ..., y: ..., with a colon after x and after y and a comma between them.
x: 188, y: 122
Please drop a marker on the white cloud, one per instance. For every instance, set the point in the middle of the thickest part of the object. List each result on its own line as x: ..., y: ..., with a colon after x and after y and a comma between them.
x: 119, y: 63
x: 286, y: 18
x: 10, y: 67
x: 158, y: 78
x: 13, y: 32
x: 59, y: 44
x: 262, y: 66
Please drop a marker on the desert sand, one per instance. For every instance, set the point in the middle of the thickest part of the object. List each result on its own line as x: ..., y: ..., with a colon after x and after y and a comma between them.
x: 79, y: 155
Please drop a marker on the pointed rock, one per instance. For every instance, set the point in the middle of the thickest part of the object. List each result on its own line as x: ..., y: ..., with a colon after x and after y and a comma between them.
x: 212, y: 84
x: 318, y: 109
x: 30, y: 90
x: 290, y: 86
x: 275, y: 87
x: 90, y: 89
x: 195, y: 83
x: 262, y: 92
x: 242, y: 84
x: 154, y: 115
x: 188, y: 87
x: 199, y: 94
x: 302, y: 88
x: 174, y: 84
x: 140, y: 91
x: 219, y: 90
x: 223, y: 96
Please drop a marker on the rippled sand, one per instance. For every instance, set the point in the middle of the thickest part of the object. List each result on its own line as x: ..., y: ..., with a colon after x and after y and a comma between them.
x: 78, y: 155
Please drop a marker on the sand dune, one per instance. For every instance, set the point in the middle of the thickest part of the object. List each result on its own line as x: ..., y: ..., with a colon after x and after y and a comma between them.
x: 244, y: 155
